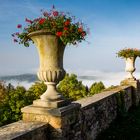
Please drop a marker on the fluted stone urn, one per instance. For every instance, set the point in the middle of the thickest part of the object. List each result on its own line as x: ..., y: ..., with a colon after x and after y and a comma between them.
x: 51, y: 50
x: 130, y: 67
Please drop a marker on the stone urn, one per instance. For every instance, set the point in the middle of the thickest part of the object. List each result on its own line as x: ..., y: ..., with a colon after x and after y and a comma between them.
x: 130, y: 67
x: 51, y: 50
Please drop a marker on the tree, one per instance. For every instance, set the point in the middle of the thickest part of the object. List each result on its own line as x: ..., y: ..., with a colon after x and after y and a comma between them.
x: 12, y: 103
x: 35, y: 91
x: 15, y: 99
x: 2, y: 91
x: 96, y: 87
x: 12, y: 99
x: 71, y: 88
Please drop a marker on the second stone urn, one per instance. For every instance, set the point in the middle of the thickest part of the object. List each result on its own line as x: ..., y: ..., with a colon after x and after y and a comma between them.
x: 51, y: 50
x: 130, y: 67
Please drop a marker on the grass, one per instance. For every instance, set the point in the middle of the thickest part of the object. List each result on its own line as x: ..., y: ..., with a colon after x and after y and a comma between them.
x: 125, y: 127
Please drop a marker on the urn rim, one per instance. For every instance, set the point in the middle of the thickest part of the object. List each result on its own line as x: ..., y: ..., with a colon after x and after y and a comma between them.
x: 40, y: 32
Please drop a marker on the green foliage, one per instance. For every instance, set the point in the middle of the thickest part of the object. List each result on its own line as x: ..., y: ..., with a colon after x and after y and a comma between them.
x: 35, y: 91
x: 71, y: 88
x: 12, y: 103
x: 129, y: 52
x: 2, y: 91
x: 16, y: 98
x: 96, y: 88
x: 111, y: 88
x: 12, y: 99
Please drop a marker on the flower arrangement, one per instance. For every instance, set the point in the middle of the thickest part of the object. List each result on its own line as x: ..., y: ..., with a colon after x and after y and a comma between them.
x: 58, y: 23
x: 129, y: 52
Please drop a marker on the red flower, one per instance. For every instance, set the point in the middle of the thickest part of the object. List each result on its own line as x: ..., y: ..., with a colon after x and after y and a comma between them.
x: 55, y: 13
x: 67, y: 22
x: 42, y: 20
x: 28, y: 20
x: 19, y: 26
x: 80, y: 30
x: 59, y: 34
x: 83, y: 34
x: 65, y: 28
x: 36, y: 19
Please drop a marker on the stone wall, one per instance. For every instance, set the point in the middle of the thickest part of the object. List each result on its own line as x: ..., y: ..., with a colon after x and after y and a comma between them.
x: 101, y: 109
x: 82, y: 120
x: 24, y: 131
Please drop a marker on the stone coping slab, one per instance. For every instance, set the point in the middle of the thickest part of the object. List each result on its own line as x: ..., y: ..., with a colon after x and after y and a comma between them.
x: 15, y: 130
x: 97, y: 97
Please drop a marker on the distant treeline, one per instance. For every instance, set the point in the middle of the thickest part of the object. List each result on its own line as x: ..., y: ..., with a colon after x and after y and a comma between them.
x: 33, y: 77
x: 21, y: 77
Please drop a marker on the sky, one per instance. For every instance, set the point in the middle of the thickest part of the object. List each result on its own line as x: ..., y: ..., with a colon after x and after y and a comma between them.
x: 114, y: 25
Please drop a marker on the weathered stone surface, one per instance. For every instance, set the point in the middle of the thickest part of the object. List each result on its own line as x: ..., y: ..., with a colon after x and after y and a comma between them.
x: 52, y: 104
x: 51, y: 116
x: 24, y: 131
x: 136, y: 89
x: 98, y: 111
x: 51, y: 51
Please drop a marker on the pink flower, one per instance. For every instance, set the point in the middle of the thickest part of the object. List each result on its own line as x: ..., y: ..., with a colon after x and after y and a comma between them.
x: 28, y: 20
x: 36, y: 19
x: 45, y: 14
x: 19, y: 26
x: 17, y: 33
x: 15, y: 40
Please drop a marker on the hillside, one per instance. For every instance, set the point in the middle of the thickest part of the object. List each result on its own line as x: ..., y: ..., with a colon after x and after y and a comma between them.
x: 33, y: 77
x: 21, y: 77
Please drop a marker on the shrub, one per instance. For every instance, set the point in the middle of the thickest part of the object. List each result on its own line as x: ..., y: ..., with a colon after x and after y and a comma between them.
x: 71, y: 88
x: 96, y: 88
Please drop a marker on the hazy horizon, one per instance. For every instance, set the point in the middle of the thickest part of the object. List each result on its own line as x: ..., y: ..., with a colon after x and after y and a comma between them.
x: 87, y: 78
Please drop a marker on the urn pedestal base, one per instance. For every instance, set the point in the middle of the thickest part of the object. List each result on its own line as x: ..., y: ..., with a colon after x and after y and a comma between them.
x: 59, y: 120
x: 129, y: 81
x: 56, y: 116
x: 52, y: 116
x: 50, y: 104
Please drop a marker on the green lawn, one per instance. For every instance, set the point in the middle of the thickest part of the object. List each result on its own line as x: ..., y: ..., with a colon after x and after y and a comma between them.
x: 126, y: 127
